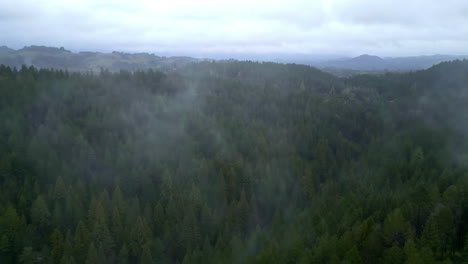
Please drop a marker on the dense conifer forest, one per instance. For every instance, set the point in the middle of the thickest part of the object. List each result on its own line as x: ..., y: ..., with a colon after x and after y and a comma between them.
x: 234, y: 162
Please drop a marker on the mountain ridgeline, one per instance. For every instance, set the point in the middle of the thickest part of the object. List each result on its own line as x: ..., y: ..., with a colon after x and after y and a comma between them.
x: 373, y: 64
x: 60, y: 58
x: 233, y: 162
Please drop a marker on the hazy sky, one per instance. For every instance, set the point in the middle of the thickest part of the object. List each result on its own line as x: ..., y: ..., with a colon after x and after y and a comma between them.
x: 348, y: 27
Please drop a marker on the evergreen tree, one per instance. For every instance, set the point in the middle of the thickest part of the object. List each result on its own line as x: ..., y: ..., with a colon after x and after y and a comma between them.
x: 60, y: 189
x: 40, y: 214
x: 352, y: 257
x: 326, y: 169
x: 58, y: 245
x: 123, y: 255
x: 92, y: 256
x: 146, y: 257
x: 395, y: 228
x: 81, y: 242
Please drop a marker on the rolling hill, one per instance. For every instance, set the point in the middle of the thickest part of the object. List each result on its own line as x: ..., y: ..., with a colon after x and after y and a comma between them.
x: 60, y: 58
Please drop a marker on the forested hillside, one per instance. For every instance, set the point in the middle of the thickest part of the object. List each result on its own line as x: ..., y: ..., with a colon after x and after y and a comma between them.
x: 59, y: 58
x: 234, y: 162
x: 376, y: 64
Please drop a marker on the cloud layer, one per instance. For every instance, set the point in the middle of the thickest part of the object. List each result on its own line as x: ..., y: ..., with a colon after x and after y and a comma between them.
x: 350, y: 27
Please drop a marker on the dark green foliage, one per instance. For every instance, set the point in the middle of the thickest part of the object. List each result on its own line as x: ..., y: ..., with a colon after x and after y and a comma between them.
x: 233, y: 162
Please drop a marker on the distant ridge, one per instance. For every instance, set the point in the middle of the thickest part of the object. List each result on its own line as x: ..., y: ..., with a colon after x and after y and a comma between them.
x: 367, y: 62
x: 5, y: 49
x: 61, y: 58
x: 365, y: 58
x: 44, y: 49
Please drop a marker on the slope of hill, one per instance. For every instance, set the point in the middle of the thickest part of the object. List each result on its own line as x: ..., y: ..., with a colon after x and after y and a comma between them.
x: 60, y: 58
x: 367, y: 59
x: 233, y: 162
x: 369, y: 63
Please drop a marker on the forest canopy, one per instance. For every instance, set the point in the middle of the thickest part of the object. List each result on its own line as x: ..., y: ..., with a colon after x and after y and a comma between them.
x: 233, y: 162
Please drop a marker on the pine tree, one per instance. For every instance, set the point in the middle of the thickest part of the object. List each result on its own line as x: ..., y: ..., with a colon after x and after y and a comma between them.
x: 244, y: 219
x: 57, y: 215
x: 92, y: 256
x: 81, y: 242
x: 118, y: 200
x: 5, y: 244
x: 123, y: 255
x: 5, y: 249
x: 438, y: 230
x: 146, y: 257
x: 58, y: 245
x: 412, y: 254
x: 60, y: 189
x: 139, y: 236
x: 158, y: 219
x: 116, y: 225
x: 11, y: 226
x: 352, y: 257
x: 101, y: 235
x: 29, y: 256
x: 395, y: 228
x: 393, y: 255
x: 40, y: 214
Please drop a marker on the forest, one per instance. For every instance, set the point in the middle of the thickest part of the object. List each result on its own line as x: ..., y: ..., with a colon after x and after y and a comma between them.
x: 234, y: 162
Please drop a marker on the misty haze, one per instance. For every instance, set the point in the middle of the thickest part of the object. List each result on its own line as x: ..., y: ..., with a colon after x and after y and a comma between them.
x: 328, y: 131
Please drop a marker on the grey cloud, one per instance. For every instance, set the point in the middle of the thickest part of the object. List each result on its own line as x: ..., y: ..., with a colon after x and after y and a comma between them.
x: 398, y: 27
x: 412, y: 13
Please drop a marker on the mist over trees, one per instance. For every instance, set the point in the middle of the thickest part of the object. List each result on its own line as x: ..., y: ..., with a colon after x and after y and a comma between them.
x: 233, y: 162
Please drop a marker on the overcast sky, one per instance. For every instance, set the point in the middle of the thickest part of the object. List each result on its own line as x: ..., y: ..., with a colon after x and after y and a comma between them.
x: 347, y: 27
